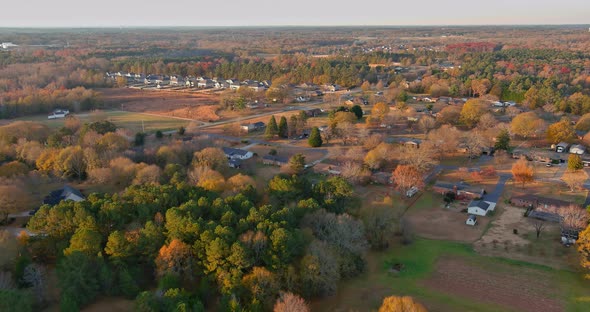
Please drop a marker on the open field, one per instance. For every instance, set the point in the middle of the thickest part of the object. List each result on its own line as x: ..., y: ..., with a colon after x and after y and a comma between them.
x: 430, y: 219
x: 133, y: 121
x: 200, y: 106
x: 429, y: 266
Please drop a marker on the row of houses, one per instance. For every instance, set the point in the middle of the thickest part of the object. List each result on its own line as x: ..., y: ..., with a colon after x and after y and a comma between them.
x: 191, y: 82
x: 559, y: 154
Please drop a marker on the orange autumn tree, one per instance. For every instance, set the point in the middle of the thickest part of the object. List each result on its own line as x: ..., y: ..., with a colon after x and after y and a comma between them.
x: 401, y: 304
x: 522, y: 172
x: 175, y: 258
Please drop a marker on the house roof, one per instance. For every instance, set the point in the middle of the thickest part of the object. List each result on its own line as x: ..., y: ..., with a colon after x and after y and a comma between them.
x: 58, y: 195
x: 472, y: 217
x: 562, y: 144
x: 480, y: 203
x: 259, y: 124
x: 229, y: 151
x: 451, y: 185
x: 541, y: 200
x: 275, y: 158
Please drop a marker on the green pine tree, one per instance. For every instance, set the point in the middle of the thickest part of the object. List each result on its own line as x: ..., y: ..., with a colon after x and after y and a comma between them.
x: 271, y: 129
x: 502, y: 140
x: 283, y: 128
x: 358, y: 111
x: 315, y: 139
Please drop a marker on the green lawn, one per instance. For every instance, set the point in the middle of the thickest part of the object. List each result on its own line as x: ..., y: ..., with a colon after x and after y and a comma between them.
x: 128, y: 120
x: 366, y: 292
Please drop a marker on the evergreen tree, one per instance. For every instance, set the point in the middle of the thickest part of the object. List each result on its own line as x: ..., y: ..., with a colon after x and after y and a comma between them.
x: 315, y: 139
x: 358, y: 111
x: 297, y: 163
x: 283, y: 128
x: 271, y: 129
x: 502, y: 140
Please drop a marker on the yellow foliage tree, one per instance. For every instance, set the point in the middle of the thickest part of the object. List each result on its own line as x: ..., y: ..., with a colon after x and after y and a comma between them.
x: 583, y: 244
x: 401, y: 304
x: 471, y: 112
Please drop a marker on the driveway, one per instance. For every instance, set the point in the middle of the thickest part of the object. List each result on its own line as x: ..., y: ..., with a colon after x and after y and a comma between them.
x: 494, y: 196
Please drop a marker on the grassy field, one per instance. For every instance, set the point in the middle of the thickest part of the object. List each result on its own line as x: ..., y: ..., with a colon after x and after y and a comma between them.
x: 365, y: 293
x: 128, y: 120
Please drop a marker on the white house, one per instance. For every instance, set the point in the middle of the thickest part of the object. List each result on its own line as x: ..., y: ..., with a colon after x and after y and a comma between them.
x: 480, y: 207
x: 236, y: 153
x: 471, y: 220
x: 66, y: 193
x: 577, y: 149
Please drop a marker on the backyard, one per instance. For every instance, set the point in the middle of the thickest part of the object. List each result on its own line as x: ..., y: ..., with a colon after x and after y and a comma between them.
x: 452, y: 277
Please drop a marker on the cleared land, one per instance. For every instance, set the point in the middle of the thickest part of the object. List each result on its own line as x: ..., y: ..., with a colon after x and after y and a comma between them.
x: 200, y: 106
x: 429, y: 265
x: 134, y: 122
x: 513, y: 288
x: 430, y: 219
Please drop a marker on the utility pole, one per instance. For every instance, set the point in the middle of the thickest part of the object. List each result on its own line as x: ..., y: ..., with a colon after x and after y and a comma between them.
x: 142, y: 127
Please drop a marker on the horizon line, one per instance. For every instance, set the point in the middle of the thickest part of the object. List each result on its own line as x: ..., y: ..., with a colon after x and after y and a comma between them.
x: 280, y: 26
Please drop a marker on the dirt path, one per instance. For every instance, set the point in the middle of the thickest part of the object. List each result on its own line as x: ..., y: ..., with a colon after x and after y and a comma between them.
x: 520, y: 289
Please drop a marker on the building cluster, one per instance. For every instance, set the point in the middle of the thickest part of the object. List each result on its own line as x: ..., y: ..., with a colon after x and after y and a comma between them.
x: 189, y: 81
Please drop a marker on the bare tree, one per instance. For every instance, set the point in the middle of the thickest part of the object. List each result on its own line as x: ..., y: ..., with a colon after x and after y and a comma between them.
x: 539, y: 226
x: 474, y: 143
x: 35, y: 276
x: 575, y: 180
x: 426, y: 123
x: 573, y: 216
x: 420, y: 158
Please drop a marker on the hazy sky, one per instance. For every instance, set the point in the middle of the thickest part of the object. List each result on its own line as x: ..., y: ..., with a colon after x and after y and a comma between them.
x: 52, y: 13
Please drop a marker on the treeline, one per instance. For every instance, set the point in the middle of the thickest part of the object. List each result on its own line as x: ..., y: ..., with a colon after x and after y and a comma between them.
x: 40, y: 101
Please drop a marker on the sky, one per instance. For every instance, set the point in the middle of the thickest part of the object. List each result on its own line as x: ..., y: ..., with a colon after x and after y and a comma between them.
x: 125, y: 13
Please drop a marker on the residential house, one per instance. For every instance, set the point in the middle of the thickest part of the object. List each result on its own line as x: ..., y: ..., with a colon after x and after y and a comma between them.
x: 534, y: 201
x: 480, y: 207
x: 313, y: 112
x: 327, y: 169
x: 190, y: 82
x: 274, y: 160
x: 205, y: 83
x: 236, y: 153
x: 406, y: 141
x: 65, y: 193
x: 332, y: 87
x: 561, y: 147
x: 176, y: 80
x: 253, y: 127
x: 460, y: 189
x: 577, y: 149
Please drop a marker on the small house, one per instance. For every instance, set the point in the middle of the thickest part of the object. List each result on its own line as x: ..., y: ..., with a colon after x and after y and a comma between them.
x: 460, y: 189
x: 561, y: 147
x: 313, y: 112
x: 471, y: 220
x: 534, y: 201
x: 577, y: 149
x: 480, y: 207
x: 65, y: 193
x: 236, y: 153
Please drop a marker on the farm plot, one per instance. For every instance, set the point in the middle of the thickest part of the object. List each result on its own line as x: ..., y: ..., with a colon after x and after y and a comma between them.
x: 514, y: 288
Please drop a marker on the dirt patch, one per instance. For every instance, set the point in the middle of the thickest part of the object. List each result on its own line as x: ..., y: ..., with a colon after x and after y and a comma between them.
x: 437, y: 222
x: 200, y: 106
x: 520, y: 289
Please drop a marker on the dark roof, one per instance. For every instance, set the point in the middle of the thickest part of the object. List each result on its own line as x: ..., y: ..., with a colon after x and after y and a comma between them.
x: 235, y: 162
x: 480, y: 203
x: 451, y: 185
x: 472, y: 217
x: 259, y: 124
x: 275, y: 158
x: 229, y: 151
x: 58, y: 195
x: 541, y: 200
